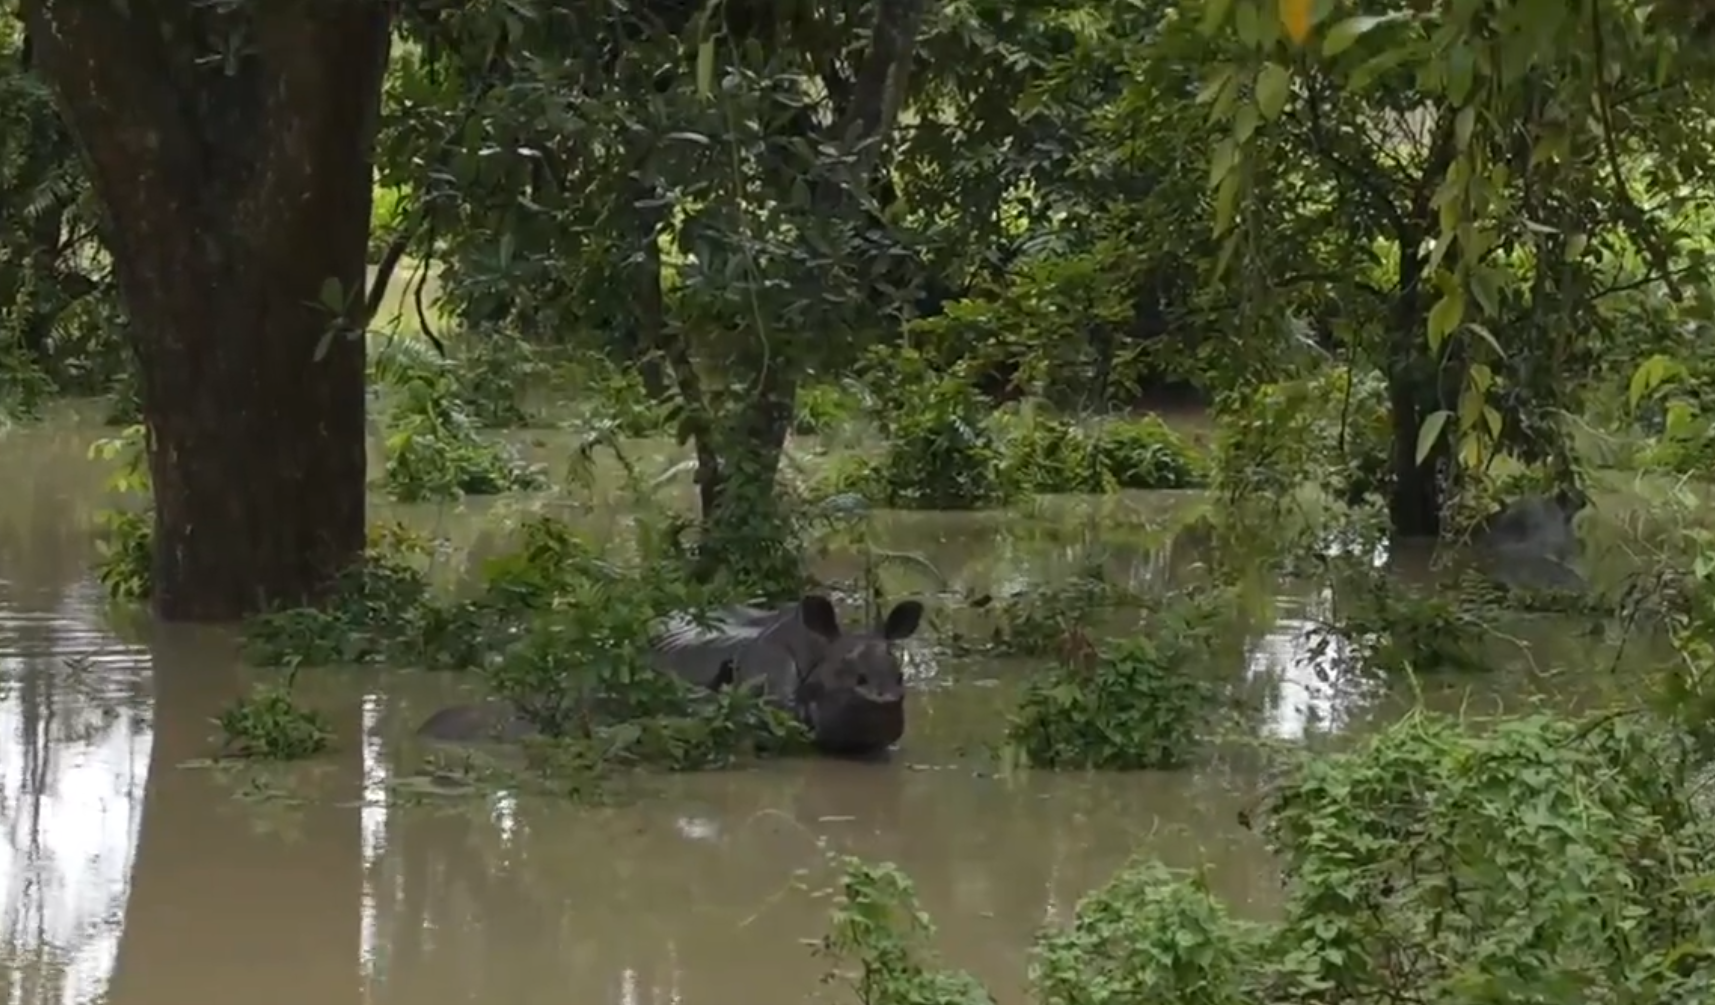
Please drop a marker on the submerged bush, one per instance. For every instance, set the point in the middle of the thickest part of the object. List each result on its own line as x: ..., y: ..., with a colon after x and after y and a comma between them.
x: 125, y: 538
x: 434, y: 452
x: 1137, y: 702
x: 555, y: 629
x: 879, y: 943
x: 268, y: 724
x: 1048, y: 454
x: 1534, y: 859
x: 940, y: 452
x: 1379, y: 627
x: 1331, y: 429
x: 953, y: 452
x: 1148, y: 935
x: 1543, y: 859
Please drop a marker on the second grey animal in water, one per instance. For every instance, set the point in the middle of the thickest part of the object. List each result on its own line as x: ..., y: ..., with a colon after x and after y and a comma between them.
x: 1530, y: 543
x: 848, y: 689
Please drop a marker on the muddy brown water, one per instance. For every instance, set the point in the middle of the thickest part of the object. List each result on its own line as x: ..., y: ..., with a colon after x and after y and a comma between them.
x: 130, y: 879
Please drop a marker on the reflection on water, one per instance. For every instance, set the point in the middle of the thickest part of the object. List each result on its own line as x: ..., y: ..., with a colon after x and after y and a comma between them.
x: 133, y: 880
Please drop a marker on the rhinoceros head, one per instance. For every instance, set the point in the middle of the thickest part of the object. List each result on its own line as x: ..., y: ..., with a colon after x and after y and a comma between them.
x: 851, y: 690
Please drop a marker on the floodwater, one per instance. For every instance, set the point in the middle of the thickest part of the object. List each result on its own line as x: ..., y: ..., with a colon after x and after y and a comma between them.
x: 132, y: 879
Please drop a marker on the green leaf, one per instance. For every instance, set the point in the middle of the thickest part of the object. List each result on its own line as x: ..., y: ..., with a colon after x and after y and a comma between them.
x: 1222, y: 161
x: 1651, y: 374
x: 1430, y: 431
x: 1245, y: 123
x: 1225, y: 258
x: 1218, y: 81
x: 1487, y: 336
x: 1226, y: 203
x: 332, y: 295
x: 1463, y: 124
x: 1345, y: 34
x: 1245, y: 23
x: 1460, y: 72
x: 1273, y: 84
x: 1445, y: 316
x: 706, y: 67
x: 1485, y: 286
x: 1215, y: 14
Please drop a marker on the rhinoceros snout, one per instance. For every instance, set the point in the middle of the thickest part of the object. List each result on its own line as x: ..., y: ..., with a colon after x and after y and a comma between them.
x: 857, y: 722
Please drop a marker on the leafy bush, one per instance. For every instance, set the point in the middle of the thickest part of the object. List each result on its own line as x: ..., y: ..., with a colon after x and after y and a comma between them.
x: 1544, y: 859
x: 1139, y: 702
x: 1148, y: 934
x: 1046, y: 454
x: 1331, y: 429
x: 1534, y: 859
x: 125, y: 542
x: 878, y: 941
x: 558, y: 631
x: 433, y: 451
x: 824, y: 407
x: 941, y: 452
x: 268, y: 724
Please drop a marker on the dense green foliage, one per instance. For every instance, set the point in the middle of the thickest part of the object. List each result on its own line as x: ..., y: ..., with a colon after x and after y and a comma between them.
x: 1536, y: 859
x: 1358, y: 274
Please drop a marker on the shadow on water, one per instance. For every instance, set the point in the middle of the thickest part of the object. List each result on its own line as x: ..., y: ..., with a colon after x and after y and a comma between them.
x: 133, y: 880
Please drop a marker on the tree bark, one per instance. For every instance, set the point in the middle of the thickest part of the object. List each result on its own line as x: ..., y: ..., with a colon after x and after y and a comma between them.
x: 1414, y: 494
x: 237, y: 188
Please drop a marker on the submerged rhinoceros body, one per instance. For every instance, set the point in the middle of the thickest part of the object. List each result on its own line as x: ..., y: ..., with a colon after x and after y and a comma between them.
x: 848, y: 689
x: 1530, y: 543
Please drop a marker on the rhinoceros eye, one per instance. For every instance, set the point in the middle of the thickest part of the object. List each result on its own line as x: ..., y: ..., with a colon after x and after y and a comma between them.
x: 862, y: 679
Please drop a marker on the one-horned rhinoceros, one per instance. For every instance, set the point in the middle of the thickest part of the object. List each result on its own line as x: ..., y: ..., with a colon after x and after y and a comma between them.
x: 847, y: 688
x: 1531, y: 543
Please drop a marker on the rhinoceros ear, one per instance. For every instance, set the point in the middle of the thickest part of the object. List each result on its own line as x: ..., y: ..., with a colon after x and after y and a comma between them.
x: 902, y: 621
x: 819, y: 616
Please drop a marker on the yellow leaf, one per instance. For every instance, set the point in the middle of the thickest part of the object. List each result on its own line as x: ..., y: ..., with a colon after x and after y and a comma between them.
x: 1295, y: 18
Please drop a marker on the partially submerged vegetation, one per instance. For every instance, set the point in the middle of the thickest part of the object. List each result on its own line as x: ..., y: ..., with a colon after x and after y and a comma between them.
x: 1442, y: 263
x: 1552, y: 858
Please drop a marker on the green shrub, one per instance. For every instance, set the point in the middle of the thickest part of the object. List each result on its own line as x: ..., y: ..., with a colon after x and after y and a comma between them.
x: 1330, y: 429
x: 941, y: 453
x: 824, y: 407
x: 1139, y: 702
x: 1149, y: 935
x: 1145, y: 453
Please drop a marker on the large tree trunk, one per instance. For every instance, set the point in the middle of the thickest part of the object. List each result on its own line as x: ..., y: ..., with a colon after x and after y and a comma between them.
x: 238, y: 191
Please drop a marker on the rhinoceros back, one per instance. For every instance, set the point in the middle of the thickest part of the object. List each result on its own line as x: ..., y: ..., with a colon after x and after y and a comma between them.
x: 770, y: 644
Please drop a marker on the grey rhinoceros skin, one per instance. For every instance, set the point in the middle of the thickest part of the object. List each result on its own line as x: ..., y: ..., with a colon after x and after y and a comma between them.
x: 848, y: 688
x: 1530, y: 542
